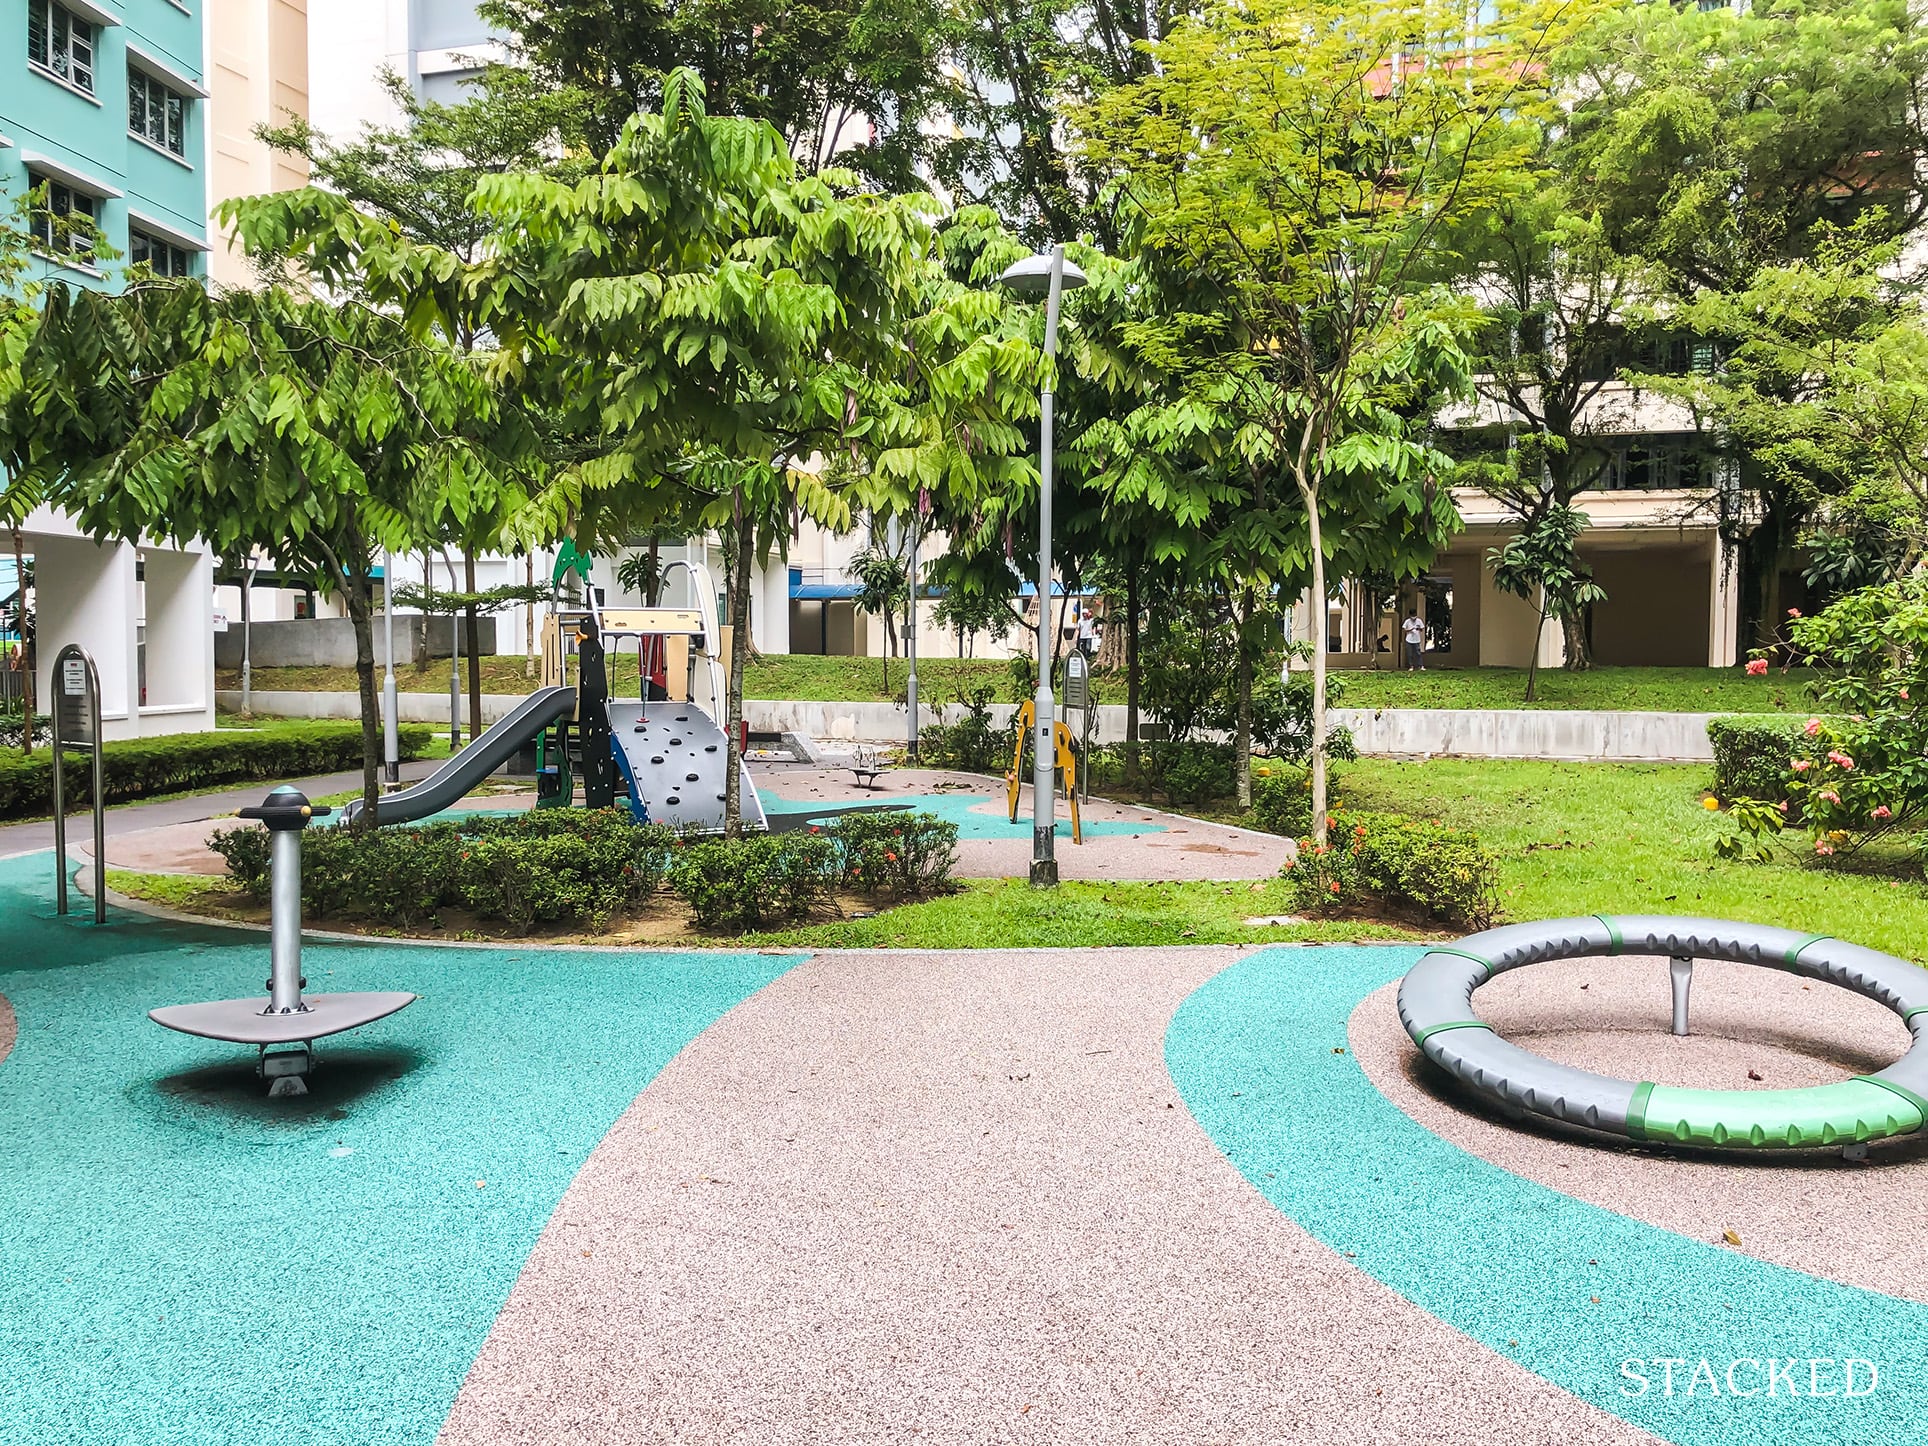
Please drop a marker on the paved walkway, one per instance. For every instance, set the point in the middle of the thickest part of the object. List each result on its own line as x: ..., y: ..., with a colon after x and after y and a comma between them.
x: 129, y: 818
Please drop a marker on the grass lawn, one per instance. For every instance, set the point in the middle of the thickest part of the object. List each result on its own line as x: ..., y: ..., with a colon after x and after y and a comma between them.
x: 1007, y: 913
x: 776, y: 676
x: 1662, y: 690
x: 1633, y: 838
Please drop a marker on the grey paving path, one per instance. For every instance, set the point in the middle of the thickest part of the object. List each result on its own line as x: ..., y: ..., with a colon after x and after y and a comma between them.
x: 129, y: 818
x: 920, y: 1197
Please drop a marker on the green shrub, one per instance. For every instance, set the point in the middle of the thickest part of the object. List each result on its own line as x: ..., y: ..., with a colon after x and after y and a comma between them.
x: 569, y: 866
x: 747, y: 883
x: 972, y: 743
x: 896, y: 852
x: 1282, y: 798
x: 1753, y: 757
x: 1406, y: 866
x: 136, y: 768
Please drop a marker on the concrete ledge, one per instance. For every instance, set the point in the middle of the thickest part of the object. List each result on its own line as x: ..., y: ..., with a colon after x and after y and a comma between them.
x: 1529, y: 733
x: 1382, y: 732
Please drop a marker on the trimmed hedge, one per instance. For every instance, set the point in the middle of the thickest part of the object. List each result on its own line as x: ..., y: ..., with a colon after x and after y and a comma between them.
x: 136, y: 768
x: 582, y: 867
x: 1409, y: 866
x: 1752, y: 756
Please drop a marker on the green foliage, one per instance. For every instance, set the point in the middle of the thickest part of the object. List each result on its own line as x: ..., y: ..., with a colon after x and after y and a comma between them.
x: 747, y: 883
x: 1282, y: 799
x: 1753, y: 757
x: 136, y: 768
x: 552, y: 866
x: 1860, y: 773
x: 1541, y: 563
x: 903, y: 854
x: 809, y: 69
x: 1407, y: 867
x: 972, y: 743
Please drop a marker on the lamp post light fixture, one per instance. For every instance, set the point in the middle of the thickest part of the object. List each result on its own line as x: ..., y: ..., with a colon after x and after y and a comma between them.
x: 1046, y: 276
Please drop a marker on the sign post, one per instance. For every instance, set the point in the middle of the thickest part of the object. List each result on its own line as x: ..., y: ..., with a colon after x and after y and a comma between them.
x: 76, y: 722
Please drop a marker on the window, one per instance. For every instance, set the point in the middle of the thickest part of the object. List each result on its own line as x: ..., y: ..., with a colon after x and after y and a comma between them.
x: 61, y: 43
x: 156, y: 113
x: 64, y: 223
x: 165, y: 258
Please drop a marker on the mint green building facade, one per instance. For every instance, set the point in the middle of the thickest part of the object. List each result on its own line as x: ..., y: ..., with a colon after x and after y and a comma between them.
x: 103, y: 102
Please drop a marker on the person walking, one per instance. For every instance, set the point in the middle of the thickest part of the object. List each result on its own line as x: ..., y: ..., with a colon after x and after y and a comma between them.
x: 1413, y: 630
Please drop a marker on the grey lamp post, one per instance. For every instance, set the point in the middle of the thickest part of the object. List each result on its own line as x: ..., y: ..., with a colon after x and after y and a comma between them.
x: 391, y: 736
x: 1048, y: 276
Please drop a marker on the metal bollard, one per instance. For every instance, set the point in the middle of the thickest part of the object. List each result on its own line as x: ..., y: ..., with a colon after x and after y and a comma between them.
x: 1680, y: 969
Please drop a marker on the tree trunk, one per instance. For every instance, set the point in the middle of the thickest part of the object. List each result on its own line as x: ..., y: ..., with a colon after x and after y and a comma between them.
x: 1243, y: 743
x: 739, y: 655
x: 1132, y: 675
x: 1533, y: 658
x: 358, y: 594
x: 247, y: 641
x: 1579, y: 657
x: 473, y: 647
x: 529, y: 619
x: 20, y: 627
x: 653, y: 594
x: 1318, y: 666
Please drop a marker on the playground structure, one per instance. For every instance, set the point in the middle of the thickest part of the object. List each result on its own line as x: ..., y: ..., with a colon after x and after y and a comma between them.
x: 1435, y: 1005
x: 286, y: 1017
x: 664, y: 752
x: 1065, y: 775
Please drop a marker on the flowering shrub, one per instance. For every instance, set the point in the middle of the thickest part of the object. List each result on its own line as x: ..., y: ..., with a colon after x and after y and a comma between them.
x: 1860, y: 772
x: 895, y: 852
x: 1394, y: 864
x: 1282, y: 797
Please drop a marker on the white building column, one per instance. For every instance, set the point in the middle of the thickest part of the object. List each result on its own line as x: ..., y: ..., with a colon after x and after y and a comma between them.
x: 85, y: 592
x: 178, y: 641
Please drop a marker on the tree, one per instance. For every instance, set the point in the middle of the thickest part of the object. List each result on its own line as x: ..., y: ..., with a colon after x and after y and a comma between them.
x: 1540, y: 564
x: 1715, y: 144
x: 814, y: 71
x: 317, y: 432
x: 729, y: 342
x: 1306, y: 159
x: 419, y: 176
x: 883, y: 587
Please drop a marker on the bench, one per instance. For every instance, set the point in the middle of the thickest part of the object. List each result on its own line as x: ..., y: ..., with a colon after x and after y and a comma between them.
x: 868, y: 765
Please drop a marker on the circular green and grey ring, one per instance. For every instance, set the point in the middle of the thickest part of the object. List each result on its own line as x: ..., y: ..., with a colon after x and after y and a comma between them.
x: 1435, y: 1005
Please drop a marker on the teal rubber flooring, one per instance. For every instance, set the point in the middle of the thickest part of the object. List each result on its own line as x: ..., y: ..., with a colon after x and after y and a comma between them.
x: 1255, y: 1054
x: 185, y: 1261
x: 956, y: 807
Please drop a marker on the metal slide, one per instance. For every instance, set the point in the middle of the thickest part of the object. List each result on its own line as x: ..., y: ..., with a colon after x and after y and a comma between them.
x: 675, y: 761
x: 460, y: 776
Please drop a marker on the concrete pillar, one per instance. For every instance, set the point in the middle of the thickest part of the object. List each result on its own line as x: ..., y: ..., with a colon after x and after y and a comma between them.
x: 1723, y: 611
x: 770, y: 616
x: 179, y: 647
x: 85, y: 593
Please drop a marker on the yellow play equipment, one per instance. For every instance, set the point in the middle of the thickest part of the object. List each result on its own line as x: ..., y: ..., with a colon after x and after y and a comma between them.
x: 1067, y: 770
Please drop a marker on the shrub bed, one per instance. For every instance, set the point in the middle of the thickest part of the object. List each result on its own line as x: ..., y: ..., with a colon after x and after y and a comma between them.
x: 136, y: 768
x: 581, y: 868
x: 1753, y: 757
x: 1409, y: 866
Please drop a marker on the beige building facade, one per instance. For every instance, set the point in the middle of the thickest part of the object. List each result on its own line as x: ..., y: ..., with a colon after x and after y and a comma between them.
x: 257, y: 75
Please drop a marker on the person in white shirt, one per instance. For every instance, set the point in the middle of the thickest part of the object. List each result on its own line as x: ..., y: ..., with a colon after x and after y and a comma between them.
x: 1413, y: 630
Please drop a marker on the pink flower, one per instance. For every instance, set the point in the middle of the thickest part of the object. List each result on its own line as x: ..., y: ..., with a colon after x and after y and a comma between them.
x: 1813, y: 727
x: 1802, y: 765
x: 1835, y: 756
x: 1756, y: 667
x: 1782, y: 805
x: 1794, y: 612
x: 1830, y: 795
x: 1904, y: 695
x: 1882, y: 812
x: 1822, y: 846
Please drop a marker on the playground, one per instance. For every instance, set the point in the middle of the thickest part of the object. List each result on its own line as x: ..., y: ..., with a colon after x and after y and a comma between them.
x: 1124, y: 1195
